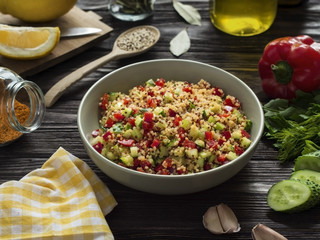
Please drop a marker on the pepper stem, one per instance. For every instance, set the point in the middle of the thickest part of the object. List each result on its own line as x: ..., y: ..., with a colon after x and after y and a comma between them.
x: 282, y: 72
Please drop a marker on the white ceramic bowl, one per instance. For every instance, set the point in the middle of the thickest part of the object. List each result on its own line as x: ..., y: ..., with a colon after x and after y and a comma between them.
x: 132, y: 75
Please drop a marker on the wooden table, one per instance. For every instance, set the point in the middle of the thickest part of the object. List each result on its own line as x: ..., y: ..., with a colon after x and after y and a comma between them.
x: 142, y: 215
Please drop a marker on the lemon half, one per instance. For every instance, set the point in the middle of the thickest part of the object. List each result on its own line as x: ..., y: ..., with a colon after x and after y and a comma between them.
x: 27, y: 42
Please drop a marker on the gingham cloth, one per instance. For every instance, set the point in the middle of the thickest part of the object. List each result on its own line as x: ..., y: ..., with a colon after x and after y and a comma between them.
x: 62, y: 200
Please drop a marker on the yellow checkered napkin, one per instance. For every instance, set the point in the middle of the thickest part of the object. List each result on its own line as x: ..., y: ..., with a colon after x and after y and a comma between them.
x: 62, y: 200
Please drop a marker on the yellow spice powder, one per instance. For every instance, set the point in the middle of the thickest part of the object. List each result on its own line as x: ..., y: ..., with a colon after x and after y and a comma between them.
x: 7, y: 133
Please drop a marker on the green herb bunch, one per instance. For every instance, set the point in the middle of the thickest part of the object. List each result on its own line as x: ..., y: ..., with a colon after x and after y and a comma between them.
x: 294, y: 125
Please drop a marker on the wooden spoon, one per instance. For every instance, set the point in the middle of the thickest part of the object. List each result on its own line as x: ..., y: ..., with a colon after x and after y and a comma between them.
x: 132, y: 42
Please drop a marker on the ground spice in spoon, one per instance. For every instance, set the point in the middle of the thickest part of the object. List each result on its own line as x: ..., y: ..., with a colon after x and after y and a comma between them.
x: 137, y: 39
x: 7, y: 133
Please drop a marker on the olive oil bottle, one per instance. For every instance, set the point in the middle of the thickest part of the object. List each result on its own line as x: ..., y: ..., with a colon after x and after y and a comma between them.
x: 243, y: 18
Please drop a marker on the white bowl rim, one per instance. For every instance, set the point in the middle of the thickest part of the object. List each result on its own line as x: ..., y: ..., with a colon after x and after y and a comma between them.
x: 190, y: 175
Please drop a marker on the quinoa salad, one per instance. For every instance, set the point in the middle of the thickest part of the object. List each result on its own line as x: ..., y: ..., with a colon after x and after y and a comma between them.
x: 171, y: 127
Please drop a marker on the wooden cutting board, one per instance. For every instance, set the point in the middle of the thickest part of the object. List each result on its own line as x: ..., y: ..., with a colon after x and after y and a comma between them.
x: 66, y: 48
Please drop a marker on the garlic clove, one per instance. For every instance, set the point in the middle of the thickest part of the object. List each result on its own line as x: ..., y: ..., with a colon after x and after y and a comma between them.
x: 228, y: 219
x: 262, y: 232
x: 211, y: 221
x: 221, y: 219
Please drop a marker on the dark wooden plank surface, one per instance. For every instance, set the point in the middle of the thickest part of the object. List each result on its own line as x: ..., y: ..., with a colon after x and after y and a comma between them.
x: 148, y: 216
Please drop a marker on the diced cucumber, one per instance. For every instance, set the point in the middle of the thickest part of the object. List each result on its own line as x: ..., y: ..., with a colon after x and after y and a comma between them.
x: 159, y: 111
x: 211, y: 119
x: 136, y: 134
x: 168, y: 97
x: 200, y: 143
x: 245, y: 142
x: 231, y: 156
x: 150, y: 82
x: 127, y: 160
x: 309, y: 161
x: 236, y: 134
x: 171, y: 143
x: 186, y: 123
x: 231, y: 148
x: 127, y: 112
x: 291, y: 196
x: 110, y: 155
x: 127, y: 126
x: 248, y: 125
x: 150, y: 160
x: 117, y: 127
x: 202, y: 134
x: 138, y: 121
x: 236, y: 112
x: 115, y: 149
x: 104, y: 151
x: 216, y: 108
x: 219, y: 126
x: 192, y: 153
x: 128, y: 133
x: 95, y: 140
x: 194, y: 131
x: 205, y: 154
x: 200, y: 162
x: 113, y: 96
x: 134, y: 152
x: 212, y: 158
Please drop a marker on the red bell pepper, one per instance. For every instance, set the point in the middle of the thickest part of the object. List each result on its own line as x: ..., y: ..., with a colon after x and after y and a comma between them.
x: 104, y: 101
x: 289, y: 64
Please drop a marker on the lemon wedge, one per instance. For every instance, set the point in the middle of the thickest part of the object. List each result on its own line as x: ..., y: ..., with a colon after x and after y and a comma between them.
x: 27, y: 42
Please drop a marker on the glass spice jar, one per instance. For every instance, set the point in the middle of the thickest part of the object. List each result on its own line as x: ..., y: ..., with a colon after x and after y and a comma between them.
x: 22, y: 106
x: 131, y: 10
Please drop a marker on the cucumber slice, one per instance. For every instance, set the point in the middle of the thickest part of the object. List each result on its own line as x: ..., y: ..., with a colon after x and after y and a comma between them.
x: 291, y: 196
x: 306, y: 175
x: 309, y: 161
x: 309, y: 177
